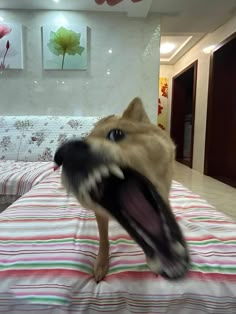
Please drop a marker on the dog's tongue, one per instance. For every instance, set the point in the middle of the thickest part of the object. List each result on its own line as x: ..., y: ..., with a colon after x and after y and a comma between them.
x: 136, y: 206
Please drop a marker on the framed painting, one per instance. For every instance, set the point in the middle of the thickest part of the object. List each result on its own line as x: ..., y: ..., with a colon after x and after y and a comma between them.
x: 11, y: 48
x: 64, y: 47
x: 163, y: 103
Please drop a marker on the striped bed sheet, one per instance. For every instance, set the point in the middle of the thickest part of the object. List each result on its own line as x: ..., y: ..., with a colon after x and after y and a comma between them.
x: 48, y: 245
x: 18, y: 177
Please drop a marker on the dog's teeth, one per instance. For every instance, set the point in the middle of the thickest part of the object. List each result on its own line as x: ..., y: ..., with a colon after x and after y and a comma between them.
x: 165, y: 226
x: 178, y: 248
x: 87, y: 198
x: 154, y: 264
x: 83, y: 190
x: 90, y: 183
x: 169, y: 272
x: 104, y: 171
x: 97, y: 175
x: 83, y: 194
x: 116, y: 171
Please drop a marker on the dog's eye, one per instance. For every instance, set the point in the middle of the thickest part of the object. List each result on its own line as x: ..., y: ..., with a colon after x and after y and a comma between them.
x: 115, y: 135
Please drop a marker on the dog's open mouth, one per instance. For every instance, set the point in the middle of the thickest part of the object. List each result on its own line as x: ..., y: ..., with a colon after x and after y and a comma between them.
x: 134, y: 202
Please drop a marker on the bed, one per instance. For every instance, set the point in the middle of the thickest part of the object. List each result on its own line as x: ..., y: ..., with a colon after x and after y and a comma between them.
x: 18, y: 177
x: 48, y: 245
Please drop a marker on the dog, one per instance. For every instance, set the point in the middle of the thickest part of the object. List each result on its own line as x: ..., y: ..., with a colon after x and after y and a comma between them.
x: 123, y: 170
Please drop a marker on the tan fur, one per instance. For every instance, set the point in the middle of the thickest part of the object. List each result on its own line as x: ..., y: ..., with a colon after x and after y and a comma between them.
x: 146, y: 148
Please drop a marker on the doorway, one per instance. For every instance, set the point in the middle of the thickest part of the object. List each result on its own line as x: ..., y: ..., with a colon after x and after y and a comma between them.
x: 183, y: 113
x: 220, y: 149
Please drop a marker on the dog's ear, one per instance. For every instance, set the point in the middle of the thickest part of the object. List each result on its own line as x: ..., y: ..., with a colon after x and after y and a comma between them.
x: 135, y: 111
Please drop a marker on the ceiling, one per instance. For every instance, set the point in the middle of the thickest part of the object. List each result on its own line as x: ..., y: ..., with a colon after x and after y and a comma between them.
x: 180, y: 19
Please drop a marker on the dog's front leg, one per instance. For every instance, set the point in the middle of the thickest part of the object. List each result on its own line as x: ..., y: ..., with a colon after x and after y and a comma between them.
x: 102, y: 262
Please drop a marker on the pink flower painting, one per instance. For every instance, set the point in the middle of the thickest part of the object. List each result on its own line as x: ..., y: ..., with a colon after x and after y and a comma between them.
x: 4, y: 30
x: 113, y: 2
x: 10, y: 47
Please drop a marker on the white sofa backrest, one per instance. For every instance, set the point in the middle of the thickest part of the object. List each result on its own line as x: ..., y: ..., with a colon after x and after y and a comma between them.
x: 33, y: 138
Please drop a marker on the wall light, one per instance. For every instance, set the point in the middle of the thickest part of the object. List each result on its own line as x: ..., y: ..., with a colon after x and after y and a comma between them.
x: 167, y: 47
x: 209, y: 49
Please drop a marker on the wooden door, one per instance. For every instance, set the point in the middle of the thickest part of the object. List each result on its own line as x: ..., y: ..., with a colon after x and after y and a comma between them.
x: 220, y: 151
x: 183, y: 108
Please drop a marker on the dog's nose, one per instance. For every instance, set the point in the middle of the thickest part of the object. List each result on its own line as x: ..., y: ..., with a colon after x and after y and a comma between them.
x: 71, y: 153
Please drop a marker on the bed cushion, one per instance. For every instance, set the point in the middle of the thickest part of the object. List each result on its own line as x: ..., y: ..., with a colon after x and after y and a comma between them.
x: 10, y: 137
x: 35, y: 138
x: 48, y: 245
x: 18, y: 177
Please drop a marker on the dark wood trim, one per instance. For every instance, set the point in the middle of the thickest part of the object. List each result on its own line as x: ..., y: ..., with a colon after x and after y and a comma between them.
x: 210, y: 100
x: 209, y: 114
x: 176, y: 76
x: 171, y: 105
x: 224, y: 42
x: 193, y: 65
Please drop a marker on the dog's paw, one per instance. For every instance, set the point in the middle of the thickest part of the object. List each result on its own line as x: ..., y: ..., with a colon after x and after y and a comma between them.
x: 101, y: 268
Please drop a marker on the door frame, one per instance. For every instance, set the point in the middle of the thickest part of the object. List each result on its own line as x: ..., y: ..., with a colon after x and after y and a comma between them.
x: 210, y: 101
x: 193, y: 65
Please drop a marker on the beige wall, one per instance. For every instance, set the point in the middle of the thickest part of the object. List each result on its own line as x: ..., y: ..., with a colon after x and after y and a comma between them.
x: 196, y: 53
x: 166, y: 70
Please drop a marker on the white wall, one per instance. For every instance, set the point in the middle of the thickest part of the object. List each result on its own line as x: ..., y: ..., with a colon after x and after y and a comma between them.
x: 196, y: 53
x: 133, y: 65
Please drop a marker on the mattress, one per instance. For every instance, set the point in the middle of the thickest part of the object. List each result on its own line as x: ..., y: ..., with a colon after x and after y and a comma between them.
x: 18, y: 177
x: 48, y: 245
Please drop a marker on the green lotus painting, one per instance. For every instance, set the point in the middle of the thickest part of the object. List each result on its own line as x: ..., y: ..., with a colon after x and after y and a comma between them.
x: 65, y: 47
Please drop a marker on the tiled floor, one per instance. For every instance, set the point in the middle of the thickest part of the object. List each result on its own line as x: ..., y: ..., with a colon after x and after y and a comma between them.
x: 222, y: 196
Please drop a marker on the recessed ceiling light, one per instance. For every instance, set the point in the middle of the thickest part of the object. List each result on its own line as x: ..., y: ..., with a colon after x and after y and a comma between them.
x: 208, y: 49
x: 110, y: 51
x: 1, y: 19
x: 167, y: 47
x: 56, y: 1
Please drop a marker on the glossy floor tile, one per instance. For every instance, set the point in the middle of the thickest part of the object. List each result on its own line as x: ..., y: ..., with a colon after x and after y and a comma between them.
x: 220, y: 195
